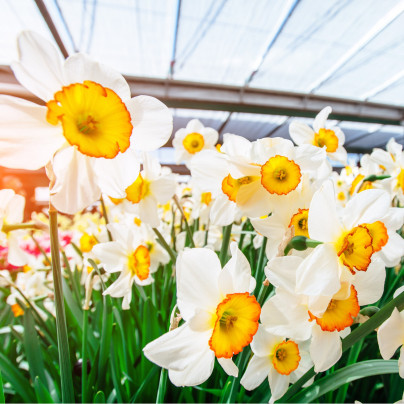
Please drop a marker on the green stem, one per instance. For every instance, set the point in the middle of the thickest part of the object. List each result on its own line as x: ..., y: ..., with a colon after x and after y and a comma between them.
x: 225, y: 244
x: 164, y: 243
x: 361, y: 332
x: 20, y: 226
x: 61, y: 328
x: 2, y: 399
x: 187, y: 228
x: 261, y: 262
x: 84, y: 358
x: 104, y: 213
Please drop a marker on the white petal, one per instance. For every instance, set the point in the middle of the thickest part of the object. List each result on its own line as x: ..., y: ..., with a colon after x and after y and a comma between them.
x: 264, y: 342
x: 80, y: 67
x: 163, y: 188
x: 148, y: 212
x: 278, y: 384
x: 152, y: 123
x: 16, y: 256
x: 75, y: 188
x: 197, y: 272
x: 366, y: 207
x: 235, y: 145
x: 401, y: 363
x: 15, y: 209
x: 321, y: 118
x: 40, y: 65
x: 323, y: 222
x: 228, y: 366
x: 392, y: 252
x: 281, y: 271
x: 6, y: 195
x: 223, y: 211
x: 110, y: 254
x: 117, y: 174
x: 27, y: 140
x: 390, y: 334
x: 179, y: 348
x: 318, y: 274
x: 236, y: 275
x: 370, y: 284
x: 301, y: 133
x: 122, y: 286
x: 210, y: 137
x: 325, y: 348
x: 256, y: 372
x: 254, y: 200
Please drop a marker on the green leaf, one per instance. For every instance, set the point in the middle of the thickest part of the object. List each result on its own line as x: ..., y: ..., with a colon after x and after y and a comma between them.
x: 2, y: 400
x: 42, y: 393
x: 33, y: 348
x: 345, y: 375
x: 161, y: 392
x: 99, y: 397
x: 14, y: 376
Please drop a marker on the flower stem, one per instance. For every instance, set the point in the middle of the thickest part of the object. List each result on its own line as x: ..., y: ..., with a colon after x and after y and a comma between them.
x: 187, y: 228
x: 164, y: 243
x: 84, y: 358
x: 62, y: 338
x: 225, y: 244
x: 105, y: 215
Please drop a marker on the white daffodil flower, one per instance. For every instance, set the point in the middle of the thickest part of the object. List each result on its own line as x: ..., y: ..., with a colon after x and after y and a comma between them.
x: 350, y: 239
x: 331, y: 139
x: 12, y: 212
x: 281, y: 361
x: 89, y: 129
x: 135, y: 254
x: 221, y: 317
x: 390, y: 336
x: 192, y: 139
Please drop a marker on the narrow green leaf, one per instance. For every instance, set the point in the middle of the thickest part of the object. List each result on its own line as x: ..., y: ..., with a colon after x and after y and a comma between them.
x: 72, y: 305
x: 161, y: 392
x: 99, y: 397
x: 63, y: 341
x: 2, y: 400
x: 345, y: 375
x: 225, y: 244
x: 14, y: 376
x: 33, y: 348
x: 106, y: 335
x: 145, y: 383
x: 42, y: 393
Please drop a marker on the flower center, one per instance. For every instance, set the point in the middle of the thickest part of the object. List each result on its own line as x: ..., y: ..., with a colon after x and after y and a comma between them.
x: 235, y: 324
x: 139, y: 262
x: 286, y: 358
x: 230, y: 185
x: 138, y: 190
x: 193, y: 142
x: 206, y: 198
x: 299, y: 221
x: 93, y: 117
x: 279, y: 175
x: 87, y: 242
x: 400, y: 180
x: 355, y: 249
x: 339, y: 313
x: 328, y: 138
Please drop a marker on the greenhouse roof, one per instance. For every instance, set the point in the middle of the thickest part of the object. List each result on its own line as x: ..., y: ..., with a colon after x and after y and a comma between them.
x: 245, y: 67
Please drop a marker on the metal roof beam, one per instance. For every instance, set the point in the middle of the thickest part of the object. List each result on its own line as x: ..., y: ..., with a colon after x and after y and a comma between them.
x: 182, y: 94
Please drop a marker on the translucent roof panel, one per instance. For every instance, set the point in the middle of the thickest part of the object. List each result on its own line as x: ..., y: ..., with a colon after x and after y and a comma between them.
x: 16, y: 16
x: 220, y: 41
x: 381, y: 59
x: 252, y: 126
x: 132, y: 36
x: 392, y: 94
x: 315, y: 39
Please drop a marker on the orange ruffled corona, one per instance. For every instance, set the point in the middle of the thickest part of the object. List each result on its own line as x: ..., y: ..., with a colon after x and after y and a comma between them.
x: 339, y: 313
x: 236, y: 322
x: 279, y: 175
x: 286, y: 357
x: 327, y: 138
x: 193, y: 143
x: 355, y: 249
x: 138, y: 190
x: 378, y: 232
x: 300, y: 222
x: 230, y: 186
x: 93, y: 117
x: 139, y: 262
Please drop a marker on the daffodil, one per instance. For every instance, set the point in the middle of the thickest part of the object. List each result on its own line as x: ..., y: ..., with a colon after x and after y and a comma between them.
x: 390, y: 336
x: 192, y: 139
x: 350, y: 239
x: 331, y: 139
x: 89, y: 129
x: 221, y: 317
x: 281, y: 361
x: 11, y: 213
x: 135, y: 254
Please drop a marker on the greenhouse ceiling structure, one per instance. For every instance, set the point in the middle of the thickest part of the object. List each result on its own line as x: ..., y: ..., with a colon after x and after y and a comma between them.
x: 243, y: 67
